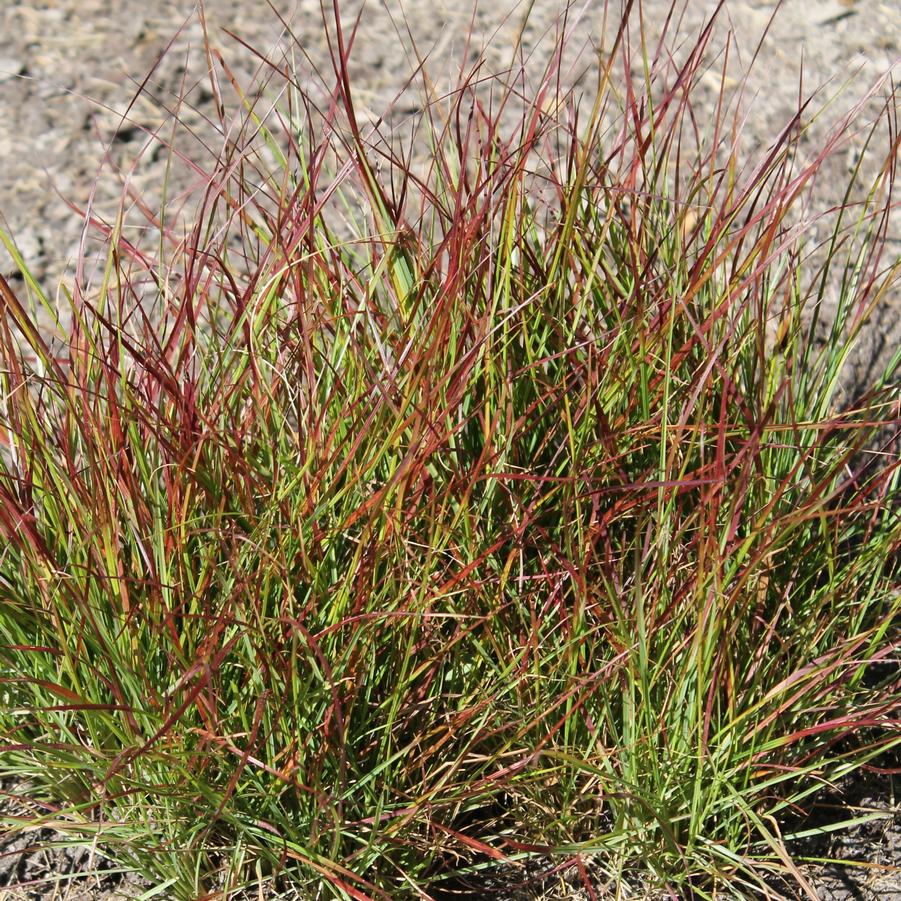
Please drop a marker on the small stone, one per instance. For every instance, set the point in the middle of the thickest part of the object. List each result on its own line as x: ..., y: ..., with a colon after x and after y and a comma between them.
x: 29, y: 244
x: 10, y: 67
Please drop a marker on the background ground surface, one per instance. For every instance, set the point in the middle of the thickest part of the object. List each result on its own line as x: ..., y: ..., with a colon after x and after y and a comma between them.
x: 70, y: 68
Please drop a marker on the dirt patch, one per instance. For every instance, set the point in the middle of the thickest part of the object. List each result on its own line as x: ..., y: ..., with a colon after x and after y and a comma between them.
x: 69, y: 71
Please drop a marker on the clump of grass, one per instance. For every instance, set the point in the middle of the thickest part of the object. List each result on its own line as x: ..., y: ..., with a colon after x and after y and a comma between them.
x: 398, y: 522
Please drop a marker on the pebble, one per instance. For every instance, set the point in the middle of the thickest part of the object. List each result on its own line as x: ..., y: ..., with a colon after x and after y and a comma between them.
x: 10, y: 67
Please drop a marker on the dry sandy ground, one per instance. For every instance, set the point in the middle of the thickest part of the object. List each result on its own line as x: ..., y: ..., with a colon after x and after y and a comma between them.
x: 69, y: 69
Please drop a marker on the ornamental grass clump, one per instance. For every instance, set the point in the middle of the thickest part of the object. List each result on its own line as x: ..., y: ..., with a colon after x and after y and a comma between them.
x: 404, y: 517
